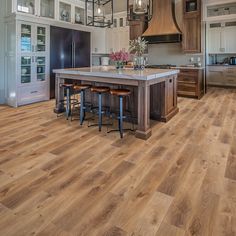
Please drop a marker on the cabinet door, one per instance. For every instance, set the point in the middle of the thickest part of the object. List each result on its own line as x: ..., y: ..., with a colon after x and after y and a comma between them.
x: 116, y: 40
x: 192, y: 35
x: 41, y: 68
x: 47, y: 8
x: 230, y: 39
x: 124, y: 38
x: 26, y: 38
x: 41, y: 39
x: 137, y: 28
x: 25, y: 70
x: 214, y: 40
x: 109, y: 40
x: 26, y: 6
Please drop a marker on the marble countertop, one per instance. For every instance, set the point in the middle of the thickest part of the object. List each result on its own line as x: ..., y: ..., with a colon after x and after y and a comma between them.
x: 189, y: 67
x: 110, y: 72
x: 224, y: 65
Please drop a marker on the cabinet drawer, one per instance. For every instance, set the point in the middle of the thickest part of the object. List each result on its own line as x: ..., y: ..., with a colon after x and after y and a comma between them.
x: 187, y: 79
x: 190, y: 72
x: 231, y: 80
x: 187, y: 87
x: 30, y: 94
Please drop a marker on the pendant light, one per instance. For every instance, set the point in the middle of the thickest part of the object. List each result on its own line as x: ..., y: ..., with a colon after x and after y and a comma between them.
x: 99, y: 13
x: 139, y: 10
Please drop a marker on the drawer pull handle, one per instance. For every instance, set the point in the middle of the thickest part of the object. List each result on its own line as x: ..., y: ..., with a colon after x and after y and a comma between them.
x: 34, y: 92
x: 170, y: 81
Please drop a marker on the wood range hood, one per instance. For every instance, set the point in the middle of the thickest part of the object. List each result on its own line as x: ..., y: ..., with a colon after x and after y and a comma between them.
x: 163, y: 27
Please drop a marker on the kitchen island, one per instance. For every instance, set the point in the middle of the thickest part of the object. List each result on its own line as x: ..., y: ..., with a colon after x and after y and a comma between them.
x: 154, y: 91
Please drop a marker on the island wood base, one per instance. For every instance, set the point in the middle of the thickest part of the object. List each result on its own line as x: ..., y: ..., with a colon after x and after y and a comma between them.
x: 152, y: 99
x: 143, y: 135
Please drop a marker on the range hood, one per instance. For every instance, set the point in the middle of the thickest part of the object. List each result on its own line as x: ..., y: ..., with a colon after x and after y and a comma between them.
x: 163, y: 27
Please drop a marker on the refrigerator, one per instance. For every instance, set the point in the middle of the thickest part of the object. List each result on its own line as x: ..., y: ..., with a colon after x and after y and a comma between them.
x: 68, y: 49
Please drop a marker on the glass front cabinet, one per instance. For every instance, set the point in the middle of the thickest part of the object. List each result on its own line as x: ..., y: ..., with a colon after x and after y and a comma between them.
x: 33, y: 63
x: 43, y: 8
x: 69, y: 11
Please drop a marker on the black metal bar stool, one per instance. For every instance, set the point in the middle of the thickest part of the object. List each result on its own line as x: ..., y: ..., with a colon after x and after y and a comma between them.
x: 121, y: 93
x: 68, y: 100
x: 100, y: 90
x: 80, y: 89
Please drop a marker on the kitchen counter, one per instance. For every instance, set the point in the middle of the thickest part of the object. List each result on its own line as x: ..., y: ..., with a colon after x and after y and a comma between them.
x: 128, y: 74
x: 225, y: 65
x: 188, y: 68
x: 154, y: 91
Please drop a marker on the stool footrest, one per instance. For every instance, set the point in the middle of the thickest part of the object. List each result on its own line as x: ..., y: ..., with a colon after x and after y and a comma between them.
x: 117, y: 130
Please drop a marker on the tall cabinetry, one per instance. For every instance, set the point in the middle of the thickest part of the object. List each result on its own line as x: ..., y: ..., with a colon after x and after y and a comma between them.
x: 192, y: 26
x: 27, y: 62
x: 27, y: 45
x: 32, y: 62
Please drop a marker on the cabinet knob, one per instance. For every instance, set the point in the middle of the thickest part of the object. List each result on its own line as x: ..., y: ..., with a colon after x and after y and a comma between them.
x: 170, y: 81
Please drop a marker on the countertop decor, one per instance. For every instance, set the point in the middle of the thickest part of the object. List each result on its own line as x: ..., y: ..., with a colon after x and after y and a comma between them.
x: 119, y: 58
x: 138, y: 47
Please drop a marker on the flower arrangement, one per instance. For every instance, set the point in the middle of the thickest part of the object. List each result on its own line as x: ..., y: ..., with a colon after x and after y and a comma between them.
x: 138, y: 46
x: 119, y: 58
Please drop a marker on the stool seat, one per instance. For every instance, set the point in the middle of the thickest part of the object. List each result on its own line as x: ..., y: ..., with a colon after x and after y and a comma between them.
x: 100, y: 89
x: 66, y: 85
x: 120, y: 92
x: 81, y: 86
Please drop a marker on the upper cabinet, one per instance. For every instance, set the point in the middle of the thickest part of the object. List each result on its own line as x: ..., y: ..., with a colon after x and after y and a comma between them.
x: 47, y: 8
x: 72, y: 11
x: 221, y: 37
x: 219, y: 10
x: 192, y: 26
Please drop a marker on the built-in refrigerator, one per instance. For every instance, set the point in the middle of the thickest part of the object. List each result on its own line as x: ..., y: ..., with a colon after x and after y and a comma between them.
x: 68, y: 49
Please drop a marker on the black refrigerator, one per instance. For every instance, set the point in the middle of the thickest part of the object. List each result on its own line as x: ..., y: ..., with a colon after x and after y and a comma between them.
x: 68, y: 49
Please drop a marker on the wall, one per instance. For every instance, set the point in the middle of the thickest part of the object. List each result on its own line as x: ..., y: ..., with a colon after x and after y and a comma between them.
x: 2, y: 39
x: 171, y: 53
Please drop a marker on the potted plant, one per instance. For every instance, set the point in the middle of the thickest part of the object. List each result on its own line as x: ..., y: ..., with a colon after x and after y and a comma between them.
x: 138, y: 47
x: 119, y: 58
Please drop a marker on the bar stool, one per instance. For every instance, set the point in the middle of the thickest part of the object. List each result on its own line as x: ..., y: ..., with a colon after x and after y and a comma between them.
x: 121, y: 93
x: 80, y: 89
x: 100, y: 90
x: 68, y: 101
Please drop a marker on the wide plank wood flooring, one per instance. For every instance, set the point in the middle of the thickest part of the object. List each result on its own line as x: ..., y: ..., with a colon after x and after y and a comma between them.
x: 57, y: 178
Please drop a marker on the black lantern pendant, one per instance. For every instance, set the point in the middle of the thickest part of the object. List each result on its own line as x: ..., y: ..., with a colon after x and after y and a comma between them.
x: 139, y: 10
x: 99, y: 13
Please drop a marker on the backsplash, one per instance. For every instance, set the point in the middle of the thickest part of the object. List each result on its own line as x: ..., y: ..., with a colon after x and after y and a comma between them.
x: 171, y: 53
x: 219, y: 58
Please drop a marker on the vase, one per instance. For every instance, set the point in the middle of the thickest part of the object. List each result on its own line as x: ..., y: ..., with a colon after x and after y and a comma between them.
x: 139, y: 63
x: 119, y: 65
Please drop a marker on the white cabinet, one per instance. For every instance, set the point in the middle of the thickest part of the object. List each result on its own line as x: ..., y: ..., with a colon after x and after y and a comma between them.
x: 221, y: 38
x: 98, y: 40
x: 32, y: 63
x: 230, y: 38
x: 117, y: 39
x: 72, y: 11
x: 28, y: 82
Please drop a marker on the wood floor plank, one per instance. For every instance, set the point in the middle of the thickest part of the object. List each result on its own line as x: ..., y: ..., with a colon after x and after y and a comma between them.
x: 60, y: 178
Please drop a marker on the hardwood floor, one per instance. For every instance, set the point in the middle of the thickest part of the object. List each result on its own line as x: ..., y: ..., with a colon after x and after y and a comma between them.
x: 57, y: 178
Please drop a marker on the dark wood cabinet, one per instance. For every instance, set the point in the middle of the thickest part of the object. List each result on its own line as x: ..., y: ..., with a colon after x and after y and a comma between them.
x: 191, y: 83
x: 163, y: 103
x: 192, y: 26
x: 137, y: 28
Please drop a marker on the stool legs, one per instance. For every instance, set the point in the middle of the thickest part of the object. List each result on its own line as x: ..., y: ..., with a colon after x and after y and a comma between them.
x: 81, y: 107
x: 100, y: 111
x: 68, y: 102
x: 121, y: 117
